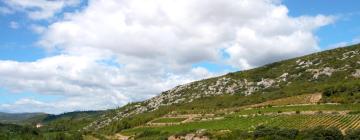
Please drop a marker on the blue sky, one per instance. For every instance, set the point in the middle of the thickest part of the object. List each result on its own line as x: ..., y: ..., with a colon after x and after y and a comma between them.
x: 345, y: 29
x: 21, y: 35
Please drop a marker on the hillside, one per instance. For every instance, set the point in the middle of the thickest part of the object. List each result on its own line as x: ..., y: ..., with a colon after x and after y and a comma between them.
x: 302, y: 96
x: 45, y: 126
x: 334, y: 74
x: 21, y: 118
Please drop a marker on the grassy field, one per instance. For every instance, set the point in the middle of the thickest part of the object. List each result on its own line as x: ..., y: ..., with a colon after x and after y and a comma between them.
x: 169, y: 120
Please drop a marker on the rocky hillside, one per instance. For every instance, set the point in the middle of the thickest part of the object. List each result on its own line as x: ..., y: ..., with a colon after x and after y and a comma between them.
x: 317, y: 72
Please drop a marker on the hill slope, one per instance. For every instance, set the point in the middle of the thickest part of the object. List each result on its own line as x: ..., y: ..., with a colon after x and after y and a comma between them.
x: 21, y: 118
x: 334, y: 73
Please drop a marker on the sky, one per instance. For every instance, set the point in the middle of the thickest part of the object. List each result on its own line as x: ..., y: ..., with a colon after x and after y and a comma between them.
x: 73, y: 55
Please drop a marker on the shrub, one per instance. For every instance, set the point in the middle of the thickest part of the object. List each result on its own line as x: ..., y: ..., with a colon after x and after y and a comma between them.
x: 324, y: 133
x: 147, y: 133
x: 352, y: 134
x: 274, y: 133
x: 354, y: 112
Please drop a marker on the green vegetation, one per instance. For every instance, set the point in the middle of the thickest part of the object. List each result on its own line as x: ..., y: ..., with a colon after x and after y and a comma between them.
x: 343, y: 93
x: 168, y: 120
x: 21, y: 118
x: 302, y: 118
x: 337, y: 86
x: 343, y: 122
x: 16, y: 132
x: 55, y: 127
x: 301, y: 108
x: 72, y: 121
x: 264, y: 133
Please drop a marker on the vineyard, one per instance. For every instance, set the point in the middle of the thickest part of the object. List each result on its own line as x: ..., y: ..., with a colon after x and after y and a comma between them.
x: 293, y: 108
x: 300, y: 99
x: 343, y: 122
x: 342, y: 116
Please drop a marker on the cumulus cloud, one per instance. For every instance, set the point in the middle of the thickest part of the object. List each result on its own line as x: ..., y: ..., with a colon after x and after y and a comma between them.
x: 188, y: 31
x: 125, y: 50
x: 38, y: 9
x: 87, y: 83
x: 275, y: 38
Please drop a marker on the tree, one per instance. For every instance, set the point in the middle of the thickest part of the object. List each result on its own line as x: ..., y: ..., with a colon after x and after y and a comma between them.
x: 322, y: 132
x: 352, y: 134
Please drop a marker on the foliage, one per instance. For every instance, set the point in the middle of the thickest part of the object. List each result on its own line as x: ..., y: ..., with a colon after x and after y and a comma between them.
x: 352, y: 134
x: 274, y: 133
x: 16, y: 132
x: 321, y: 132
x: 343, y: 93
x: 169, y: 120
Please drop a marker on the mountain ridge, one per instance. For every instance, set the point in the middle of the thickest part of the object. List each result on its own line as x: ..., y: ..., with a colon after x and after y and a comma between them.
x: 300, y: 75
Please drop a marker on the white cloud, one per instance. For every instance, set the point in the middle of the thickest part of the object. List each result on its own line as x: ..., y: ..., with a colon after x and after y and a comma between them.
x: 85, y: 82
x: 125, y: 50
x: 38, y: 9
x: 188, y: 31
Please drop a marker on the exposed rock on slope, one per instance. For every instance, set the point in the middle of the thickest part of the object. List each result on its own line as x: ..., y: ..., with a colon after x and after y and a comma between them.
x: 341, y: 63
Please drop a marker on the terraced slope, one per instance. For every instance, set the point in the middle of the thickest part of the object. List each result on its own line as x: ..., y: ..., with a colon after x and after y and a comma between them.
x: 335, y: 73
x: 299, y: 99
x: 343, y: 122
x: 297, y: 117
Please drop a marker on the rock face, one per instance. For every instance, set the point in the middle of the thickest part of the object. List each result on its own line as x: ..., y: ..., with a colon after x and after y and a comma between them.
x: 356, y: 74
x: 318, y: 72
x: 308, y: 68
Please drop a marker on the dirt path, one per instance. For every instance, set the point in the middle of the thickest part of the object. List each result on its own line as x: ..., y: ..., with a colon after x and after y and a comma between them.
x: 118, y: 136
x: 189, y: 118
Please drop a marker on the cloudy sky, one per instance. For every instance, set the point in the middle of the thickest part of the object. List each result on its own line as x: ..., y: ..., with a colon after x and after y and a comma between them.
x: 66, y: 55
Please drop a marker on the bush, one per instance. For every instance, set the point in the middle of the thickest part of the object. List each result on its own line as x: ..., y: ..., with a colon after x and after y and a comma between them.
x: 323, y: 133
x: 274, y: 133
x: 354, y: 112
x: 147, y: 133
x: 352, y: 134
x: 262, y: 131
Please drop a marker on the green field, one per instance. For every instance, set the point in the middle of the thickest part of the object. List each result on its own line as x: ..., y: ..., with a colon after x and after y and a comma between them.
x: 320, y: 107
x: 250, y: 123
x: 168, y: 120
x: 235, y: 121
